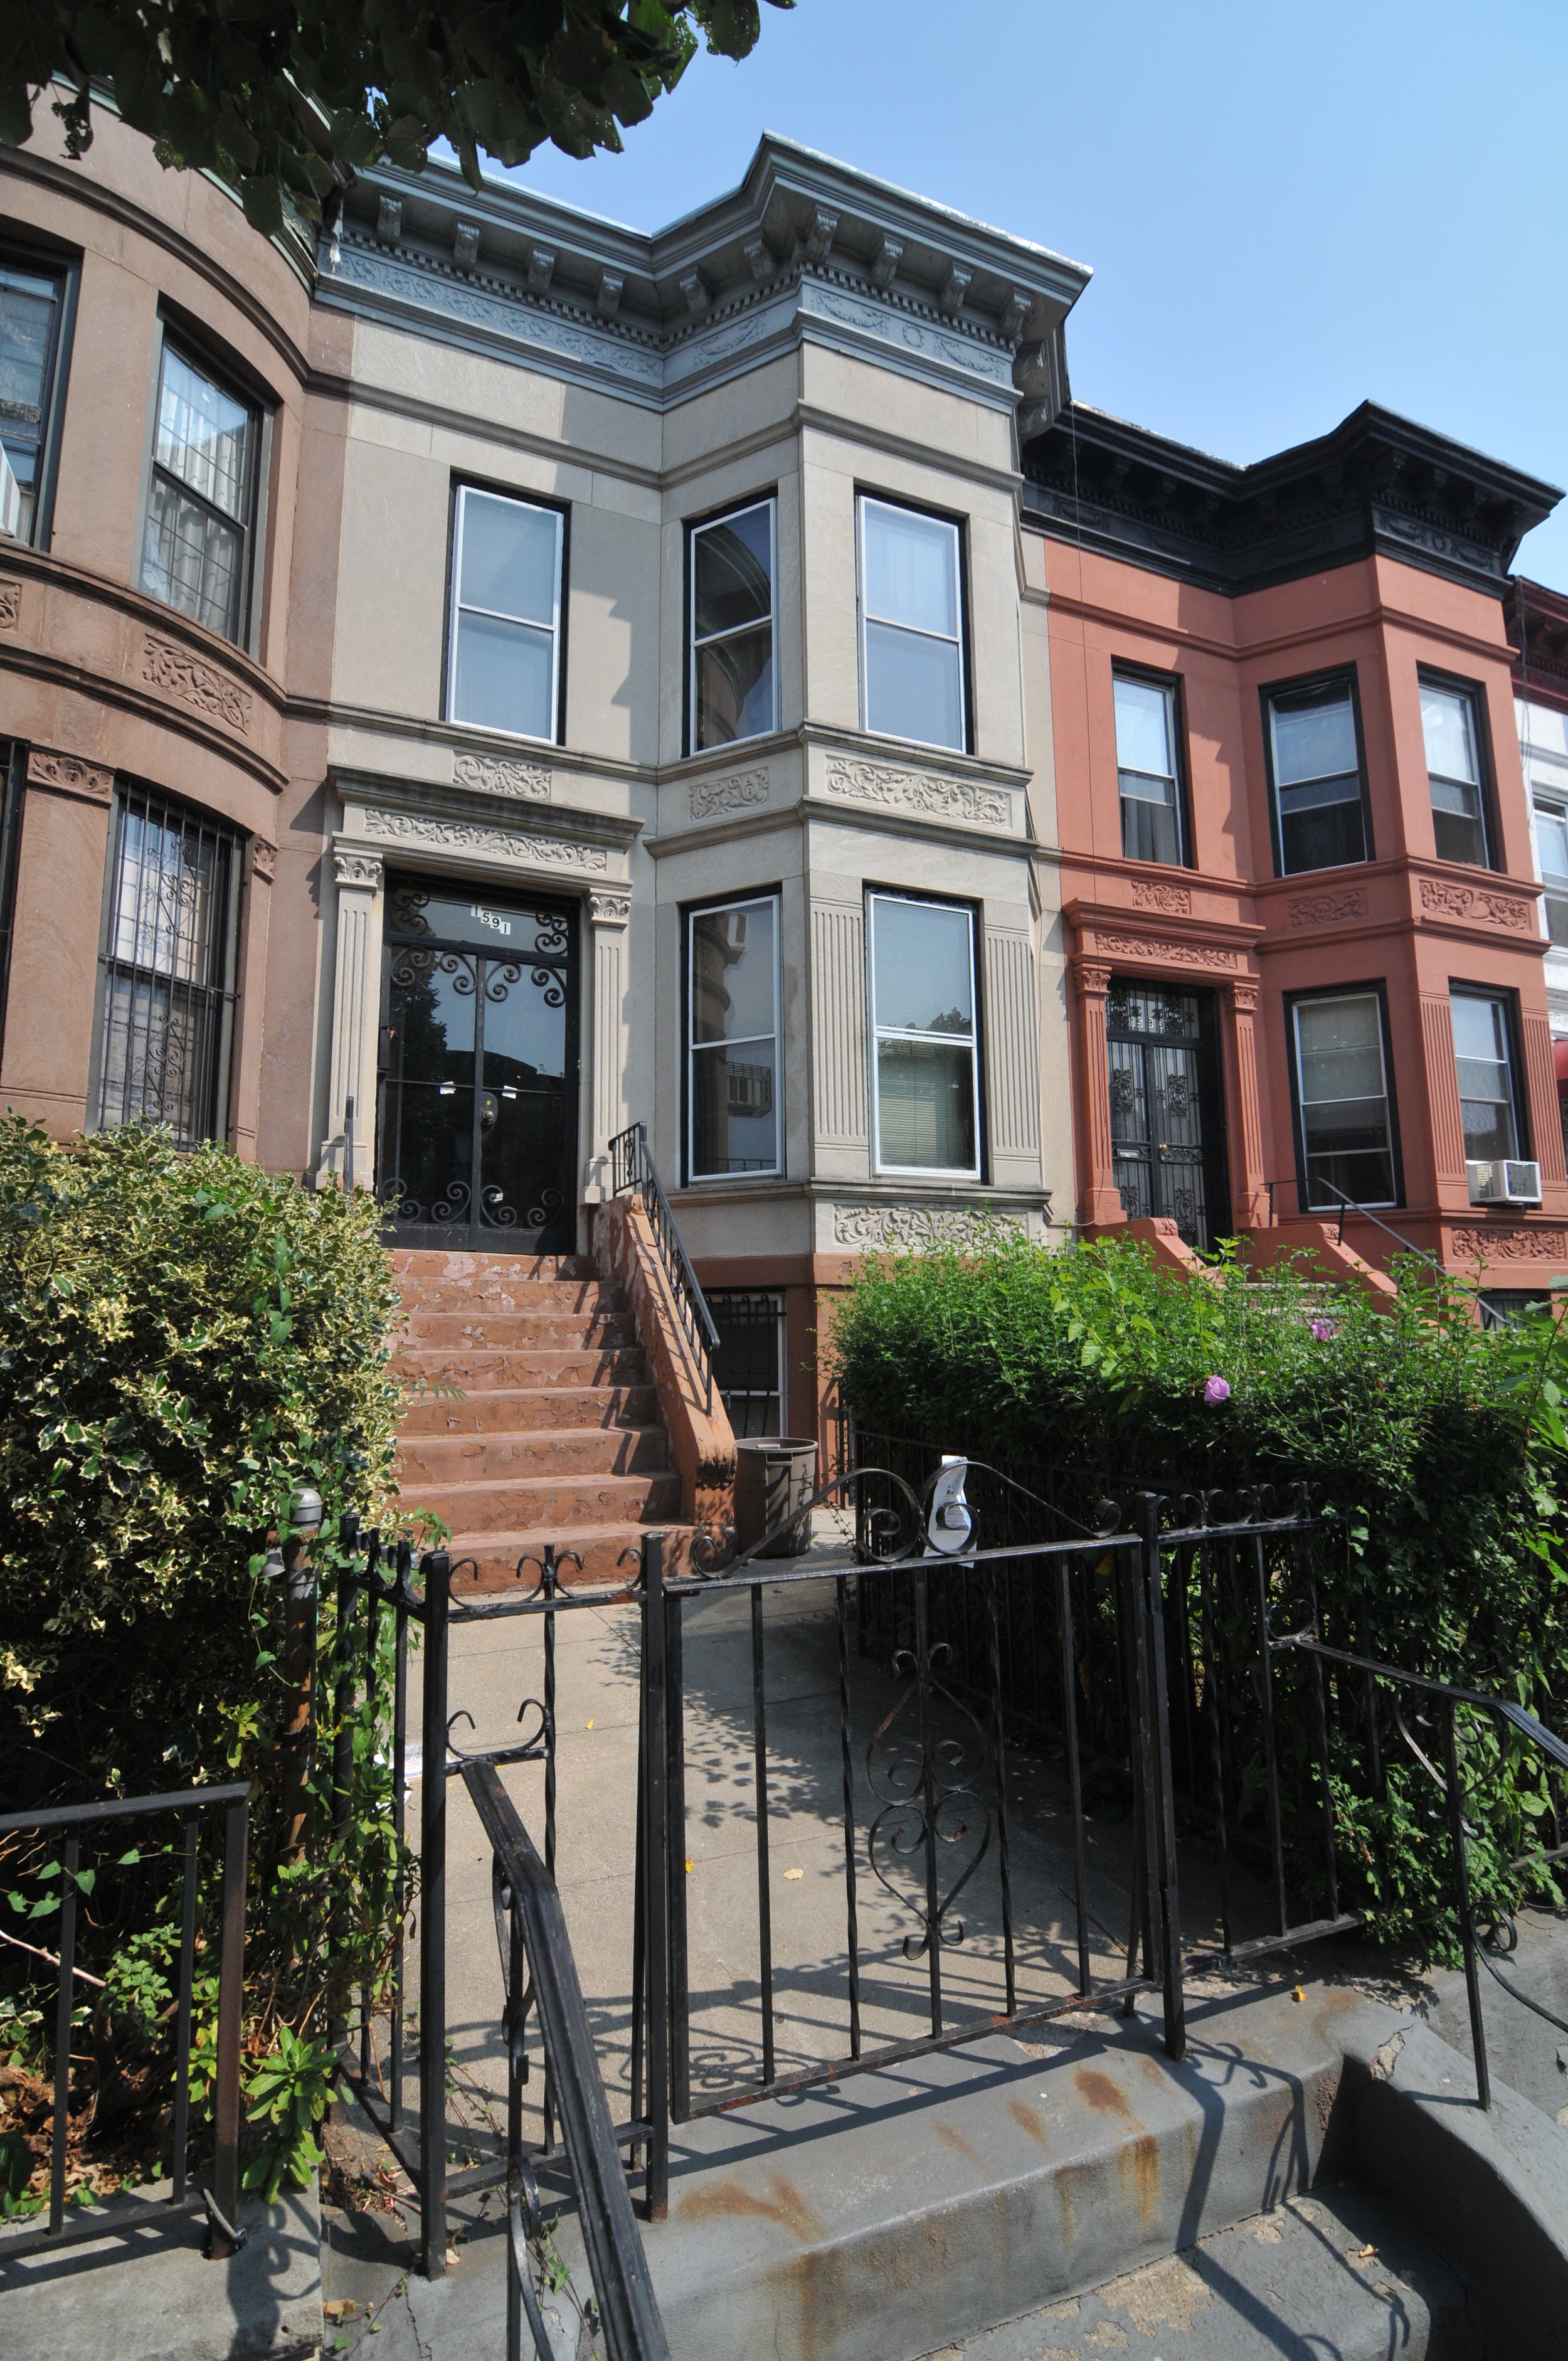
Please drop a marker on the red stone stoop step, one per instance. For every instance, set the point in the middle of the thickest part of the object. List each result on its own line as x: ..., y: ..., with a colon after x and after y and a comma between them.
x: 532, y: 1415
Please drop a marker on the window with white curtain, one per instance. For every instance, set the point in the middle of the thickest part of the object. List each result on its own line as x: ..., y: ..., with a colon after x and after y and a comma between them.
x: 911, y: 641
x: 925, y: 1062
x: 197, y: 553
x: 505, y: 659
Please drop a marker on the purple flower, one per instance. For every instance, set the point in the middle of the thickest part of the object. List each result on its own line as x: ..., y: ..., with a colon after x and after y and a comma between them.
x: 1324, y: 1329
x: 1216, y: 1390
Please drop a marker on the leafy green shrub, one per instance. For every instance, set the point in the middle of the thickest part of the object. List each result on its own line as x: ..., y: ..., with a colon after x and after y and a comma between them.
x: 185, y: 1341
x: 1435, y: 1451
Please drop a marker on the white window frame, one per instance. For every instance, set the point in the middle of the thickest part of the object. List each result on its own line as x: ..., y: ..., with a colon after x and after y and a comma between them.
x: 1512, y: 1078
x: 773, y: 901
x: 877, y: 1033
x: 245, y: 630
x: 894, y: 623
x: 769, y: 500
x: 1167, y: 689
x: 1468, y: 693
x: 460, y: 607
x: 1317, y: 1000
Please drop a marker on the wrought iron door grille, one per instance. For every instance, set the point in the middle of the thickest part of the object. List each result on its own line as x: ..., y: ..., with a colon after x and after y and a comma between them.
x: 168, y: 970
x: 1161, y: 1155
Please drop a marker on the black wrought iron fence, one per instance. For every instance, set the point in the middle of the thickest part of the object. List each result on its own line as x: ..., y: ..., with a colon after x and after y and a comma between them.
x: 80, y: 1831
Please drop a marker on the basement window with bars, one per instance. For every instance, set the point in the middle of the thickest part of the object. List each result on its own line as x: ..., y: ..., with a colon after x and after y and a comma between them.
x: 168, y: 970
x: 749, y: 1364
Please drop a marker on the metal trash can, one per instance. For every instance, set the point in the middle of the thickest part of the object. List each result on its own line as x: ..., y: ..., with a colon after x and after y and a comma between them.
x: 775, y: 1475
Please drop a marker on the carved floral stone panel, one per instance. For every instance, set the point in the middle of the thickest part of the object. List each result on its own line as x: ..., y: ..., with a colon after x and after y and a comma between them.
x: 1175, y: 900
x: 732, y: 793
x: 1146, y: 946
x: 493, y: 775
x: 362, y: 869
x: 1328, y: 910
x: 915, y: 1228
x: 919, y: 792
x: 70, y: 775
x: 263, y: 860
x: 1457, y: 901
x: 1509, y: 1245
x: 182, y: 674
x: 610, y: 909
x: 10, y: 604
x: 494, y: 843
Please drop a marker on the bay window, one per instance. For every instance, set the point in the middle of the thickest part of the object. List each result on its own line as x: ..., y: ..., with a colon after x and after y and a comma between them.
x: 1483, y: 1055
x: 1450, y: 724
x: 734, y: 685
x: 1341, y: 1096
x: 1316, y: 773
x: 925, y: 1061
x: 733, y: 1106
x: 912, y: 638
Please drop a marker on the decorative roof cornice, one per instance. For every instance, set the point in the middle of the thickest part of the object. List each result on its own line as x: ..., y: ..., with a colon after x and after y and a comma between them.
x: 1378, y: 483
x: 804, y: 242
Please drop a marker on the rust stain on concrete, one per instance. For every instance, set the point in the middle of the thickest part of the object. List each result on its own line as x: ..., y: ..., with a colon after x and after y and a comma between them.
x: 1028, y: 2122
x: 785, y: 2204
x: 956, y: 2140
x: 1137, y: 2169
x: 1099, y: 2092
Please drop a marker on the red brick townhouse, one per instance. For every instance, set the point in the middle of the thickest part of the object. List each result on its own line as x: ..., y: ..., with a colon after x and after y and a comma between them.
x: 1302, y: 912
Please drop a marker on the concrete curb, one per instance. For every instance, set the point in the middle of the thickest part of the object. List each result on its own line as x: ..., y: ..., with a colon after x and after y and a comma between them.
x: 1490, y: 2189
x: 150, y: 2295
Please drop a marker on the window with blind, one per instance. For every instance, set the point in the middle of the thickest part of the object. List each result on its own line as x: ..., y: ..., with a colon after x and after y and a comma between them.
x: 200, y: 502
x: 1147, y: 772
x: 1451, y: 724
x: 911, y: 634
x: 168, y: 970
x: 505, y: 655
x: 1342, y: 1098
x: 1317, y: 777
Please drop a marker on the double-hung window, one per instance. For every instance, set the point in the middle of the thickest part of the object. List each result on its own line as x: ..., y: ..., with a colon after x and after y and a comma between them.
x: 1552, y: 845
x: 198, y: 554
x: 1146, y: 769
x: 1450, y: 722
x: 32, y: 306
x: 1341, y: 1078
x: 505, y: 661
x: 733, y: 1105
x: 925, y: 1061
x: 168, y: 970
x: 1320, y: 799
x: 912, y: 637
x: 734, y: 650
x: 1484, y: 1056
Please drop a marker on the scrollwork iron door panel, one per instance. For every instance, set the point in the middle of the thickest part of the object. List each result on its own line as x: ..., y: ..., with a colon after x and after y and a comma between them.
x: 1167, y: 1109
x: 478, y: 1071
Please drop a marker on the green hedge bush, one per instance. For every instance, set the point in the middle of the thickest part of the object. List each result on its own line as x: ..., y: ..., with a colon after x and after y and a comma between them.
x: 1434, y: 1450
x: 184, y: 1341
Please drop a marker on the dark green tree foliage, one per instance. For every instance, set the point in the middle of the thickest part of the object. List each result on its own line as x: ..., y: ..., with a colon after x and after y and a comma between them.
x: 1435, y: 1451
x: 284, y: 98
x: 184, y: 1341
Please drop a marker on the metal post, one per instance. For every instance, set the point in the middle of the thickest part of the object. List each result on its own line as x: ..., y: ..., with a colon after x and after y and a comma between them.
x: 231, y: 2010
x: 62, y: 2033
x: 675, y: 1758
x: 436, y: 1568
x: 180, y: 2138
x: 1462, y: 1890
x: 1170, y: 1899
x: 298, y: 1671
x: 656, y: 1882
x: 348, y: 1144
x: 342, y: 1749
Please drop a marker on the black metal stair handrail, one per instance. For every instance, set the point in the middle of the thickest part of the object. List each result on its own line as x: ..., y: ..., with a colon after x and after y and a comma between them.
x: 531, y: 1927
x: 632, y: 1169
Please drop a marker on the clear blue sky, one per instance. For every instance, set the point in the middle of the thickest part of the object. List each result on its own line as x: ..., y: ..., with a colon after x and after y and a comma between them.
x: 1289, y: 209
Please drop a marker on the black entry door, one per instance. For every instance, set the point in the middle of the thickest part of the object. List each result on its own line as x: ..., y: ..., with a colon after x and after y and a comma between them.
x: 479, y: 1081
x: 1167, y: 1109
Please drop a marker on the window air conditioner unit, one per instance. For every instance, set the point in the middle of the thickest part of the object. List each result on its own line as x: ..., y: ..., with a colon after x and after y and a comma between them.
x: 1504, y: 1183
x: 10, y: 499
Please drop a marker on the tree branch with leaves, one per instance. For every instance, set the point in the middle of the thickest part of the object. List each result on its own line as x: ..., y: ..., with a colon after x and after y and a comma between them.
x: 285, y: 99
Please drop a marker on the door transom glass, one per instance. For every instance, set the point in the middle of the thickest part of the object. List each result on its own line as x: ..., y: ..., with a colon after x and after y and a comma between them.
x: 479, y: 1069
